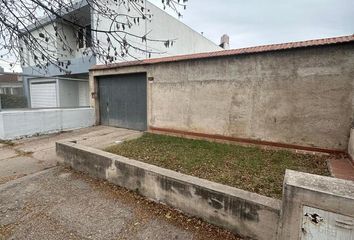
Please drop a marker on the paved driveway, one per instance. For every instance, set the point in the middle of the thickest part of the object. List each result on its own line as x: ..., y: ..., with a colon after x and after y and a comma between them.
x: 31, y: 155
x: 40, y: 200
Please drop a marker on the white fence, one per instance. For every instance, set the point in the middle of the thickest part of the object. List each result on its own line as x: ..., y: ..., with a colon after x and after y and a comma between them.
x: 21, y: 123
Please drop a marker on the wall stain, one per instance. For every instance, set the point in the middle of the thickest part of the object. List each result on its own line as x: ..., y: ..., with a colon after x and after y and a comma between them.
x: 238, y: 207
x: 172, y: 185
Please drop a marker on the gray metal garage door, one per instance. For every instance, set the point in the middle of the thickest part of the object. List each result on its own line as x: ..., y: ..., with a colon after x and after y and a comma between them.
x: 123, y: 101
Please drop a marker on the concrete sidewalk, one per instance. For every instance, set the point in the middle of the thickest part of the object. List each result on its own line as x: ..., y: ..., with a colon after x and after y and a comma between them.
x: 34, y: 154
x: 60, y: 204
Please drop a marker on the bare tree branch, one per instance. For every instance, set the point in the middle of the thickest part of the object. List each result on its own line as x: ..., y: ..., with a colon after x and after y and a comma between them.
x: 43, y: 33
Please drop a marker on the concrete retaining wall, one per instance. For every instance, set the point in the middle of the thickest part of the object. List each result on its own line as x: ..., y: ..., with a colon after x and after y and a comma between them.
x: 301, y: 96
x: 351, y: 145
x: 242, y: 212
x: 21, y: 123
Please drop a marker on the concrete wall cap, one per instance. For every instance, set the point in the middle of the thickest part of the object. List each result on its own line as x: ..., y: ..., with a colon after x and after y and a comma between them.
x: 327, y: 185
x: 267, y: 202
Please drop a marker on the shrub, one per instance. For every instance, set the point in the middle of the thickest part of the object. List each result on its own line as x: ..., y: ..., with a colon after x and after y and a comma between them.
x: 13, y: 101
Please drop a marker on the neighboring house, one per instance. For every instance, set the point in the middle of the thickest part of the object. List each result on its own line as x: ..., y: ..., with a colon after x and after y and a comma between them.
x: 10, y: 84
x: 58, y: 92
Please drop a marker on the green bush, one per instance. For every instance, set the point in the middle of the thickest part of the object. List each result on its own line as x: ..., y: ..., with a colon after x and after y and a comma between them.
x: 13, y: 101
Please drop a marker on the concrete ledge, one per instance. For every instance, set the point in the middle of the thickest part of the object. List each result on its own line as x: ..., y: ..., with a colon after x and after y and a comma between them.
x: 351, y: 145
x: 245, y: 213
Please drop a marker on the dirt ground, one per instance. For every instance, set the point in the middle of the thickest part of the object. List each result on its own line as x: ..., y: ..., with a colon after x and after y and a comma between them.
x: 61, y: 204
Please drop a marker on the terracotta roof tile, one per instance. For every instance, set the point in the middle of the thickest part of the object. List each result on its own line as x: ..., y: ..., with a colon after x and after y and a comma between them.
x: 8, y: 77
x: 232, y: 52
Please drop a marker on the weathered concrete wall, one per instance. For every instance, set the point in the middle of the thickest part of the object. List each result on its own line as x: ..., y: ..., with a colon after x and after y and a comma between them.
x: 242, y: 212
x: 21, y: 123
x: 298, y: 96
x: 324, y: 201
x: 351, y: 145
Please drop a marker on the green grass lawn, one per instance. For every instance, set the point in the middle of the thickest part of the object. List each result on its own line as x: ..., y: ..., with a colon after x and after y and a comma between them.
x: 249, y: 168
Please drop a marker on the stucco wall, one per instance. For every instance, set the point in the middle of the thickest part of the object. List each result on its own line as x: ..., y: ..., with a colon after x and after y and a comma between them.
x: 351, y: 145
x: 21, y: 123
x: 299, y: 96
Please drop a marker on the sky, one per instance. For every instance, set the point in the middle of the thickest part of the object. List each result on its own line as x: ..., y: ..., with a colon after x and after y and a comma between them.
x: 259, y: 22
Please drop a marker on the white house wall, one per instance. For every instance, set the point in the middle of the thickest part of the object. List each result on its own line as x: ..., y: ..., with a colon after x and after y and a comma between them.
x: 68, y: 93
x: 84, y: 94
x: 50, y: 46
x: 2, y: 130
x: 70, y: 35
x: 188, y: 41
x: 162, y: 27
x: 73, y: 93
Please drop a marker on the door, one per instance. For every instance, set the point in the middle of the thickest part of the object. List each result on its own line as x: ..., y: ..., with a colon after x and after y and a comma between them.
x: 123, y: 101
x: 43, y: 94
x: 326, y: 225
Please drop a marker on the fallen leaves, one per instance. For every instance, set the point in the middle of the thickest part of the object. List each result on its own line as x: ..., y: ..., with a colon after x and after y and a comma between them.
x: 246, y: 167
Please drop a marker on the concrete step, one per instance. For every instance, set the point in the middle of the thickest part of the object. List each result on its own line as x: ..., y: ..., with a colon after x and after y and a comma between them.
x: 342, y: 168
